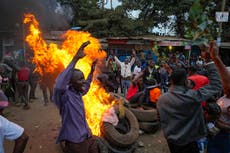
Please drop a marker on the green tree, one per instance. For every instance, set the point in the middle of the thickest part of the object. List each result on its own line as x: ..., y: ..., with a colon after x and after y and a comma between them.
x: 158, y: 12
x: 200, y: 25
x: 101, y: 22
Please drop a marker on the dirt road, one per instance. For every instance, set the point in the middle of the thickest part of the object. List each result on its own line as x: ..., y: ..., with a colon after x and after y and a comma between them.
x: 42, y: 124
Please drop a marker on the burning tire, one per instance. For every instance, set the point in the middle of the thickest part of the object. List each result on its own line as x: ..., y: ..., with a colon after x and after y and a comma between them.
x: 125, y: 133
x: 149, y: 127
x: 101, y: 145
x: 144, y: 114
x: 117, y: 96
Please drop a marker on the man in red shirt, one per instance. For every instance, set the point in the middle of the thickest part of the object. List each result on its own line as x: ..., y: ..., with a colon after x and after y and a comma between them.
x: 22, y: 85
x: 199, y: 80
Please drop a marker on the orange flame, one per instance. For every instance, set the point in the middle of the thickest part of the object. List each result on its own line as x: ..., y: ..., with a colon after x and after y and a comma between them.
x: 49, y: 58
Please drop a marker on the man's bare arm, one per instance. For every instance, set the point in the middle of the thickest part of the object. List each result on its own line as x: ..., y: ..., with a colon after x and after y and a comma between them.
x: 20, y: 143
x: 223, y: 71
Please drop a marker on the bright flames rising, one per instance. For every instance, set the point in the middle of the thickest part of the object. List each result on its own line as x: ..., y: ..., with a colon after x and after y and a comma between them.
x: 49, y: 58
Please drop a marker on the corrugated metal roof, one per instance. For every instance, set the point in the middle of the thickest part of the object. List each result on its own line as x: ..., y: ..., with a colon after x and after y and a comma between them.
x: 151, y: 38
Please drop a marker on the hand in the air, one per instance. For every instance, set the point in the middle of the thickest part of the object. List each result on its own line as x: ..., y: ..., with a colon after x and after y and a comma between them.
x: 80, y: 52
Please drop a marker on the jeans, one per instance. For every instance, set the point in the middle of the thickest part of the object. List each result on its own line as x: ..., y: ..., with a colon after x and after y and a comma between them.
x: 188, y: 148
x: 87, y: 146
x: 219, y: 143
x: 125, y: 84
x: 22, y: 90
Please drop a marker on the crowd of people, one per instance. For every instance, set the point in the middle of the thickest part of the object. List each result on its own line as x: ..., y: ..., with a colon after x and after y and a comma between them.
x: 137, y: 78
x: 192, y: 98
x: 19, y: 80
x: 192, y: 105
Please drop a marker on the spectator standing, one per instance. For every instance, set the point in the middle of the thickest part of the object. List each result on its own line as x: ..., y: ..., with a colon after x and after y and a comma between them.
x: 111, y: 71
x: 182, y: 57
x: 221, y: 142
x: 199, y: 61
x: 33, y: 80
x: 46, y: 84
x: 69, y: 88
x: 10, y: 130
x: 180, y: 110
x: 164, y: 77
x: 150, y: 77
x: 47, y: 81
x: 22, y: 85
x: 125, y: 72
x: 9, y: 60
x: 149, y: 74
x: 137, y: 68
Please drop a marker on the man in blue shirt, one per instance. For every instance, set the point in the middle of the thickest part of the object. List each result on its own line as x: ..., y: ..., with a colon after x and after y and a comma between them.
x: 69, y: 88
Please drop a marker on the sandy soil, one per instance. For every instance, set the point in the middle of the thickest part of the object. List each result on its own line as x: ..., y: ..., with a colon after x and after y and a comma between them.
x: 42, y: 124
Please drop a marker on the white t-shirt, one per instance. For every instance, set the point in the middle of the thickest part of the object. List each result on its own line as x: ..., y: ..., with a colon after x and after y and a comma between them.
x: 137, y: 70
x: 224, y: 103
x: 8, y: 130
x: 125, y: 68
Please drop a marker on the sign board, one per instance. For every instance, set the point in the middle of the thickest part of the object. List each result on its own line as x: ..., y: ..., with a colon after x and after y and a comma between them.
x: 187, y: 47
x: 170, y: 43
x: 222, y: 16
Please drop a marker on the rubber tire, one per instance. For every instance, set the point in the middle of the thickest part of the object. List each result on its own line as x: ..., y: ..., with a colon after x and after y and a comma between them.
x: 117, y: 96
x: 101, y: 145
x: 113, y: 136
x: 145, y: 115
x: 149, y: 127
x: 114, y: 149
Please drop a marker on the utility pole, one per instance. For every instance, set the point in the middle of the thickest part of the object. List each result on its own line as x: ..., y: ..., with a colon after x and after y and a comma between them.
x: 220, y: 24
x: 111, y: 4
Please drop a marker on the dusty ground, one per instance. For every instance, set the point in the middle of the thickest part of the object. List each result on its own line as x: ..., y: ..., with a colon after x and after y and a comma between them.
x: 42, y: 124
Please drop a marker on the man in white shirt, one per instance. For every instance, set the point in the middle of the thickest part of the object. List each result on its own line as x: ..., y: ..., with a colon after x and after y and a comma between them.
x: 126, y: 71
x: 137, y: 69
x: 10, y: 130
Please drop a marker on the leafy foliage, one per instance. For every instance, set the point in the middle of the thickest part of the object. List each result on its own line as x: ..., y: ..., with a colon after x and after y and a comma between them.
x: 102, y: 22
x: 160, y: 11
x: 200, y: 25
x: 193, y: 22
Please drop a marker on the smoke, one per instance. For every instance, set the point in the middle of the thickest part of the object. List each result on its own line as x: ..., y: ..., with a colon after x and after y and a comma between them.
x: 49, y: 13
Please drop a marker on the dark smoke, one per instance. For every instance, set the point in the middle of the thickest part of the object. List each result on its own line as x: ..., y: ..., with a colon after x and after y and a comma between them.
x: 47, y: 13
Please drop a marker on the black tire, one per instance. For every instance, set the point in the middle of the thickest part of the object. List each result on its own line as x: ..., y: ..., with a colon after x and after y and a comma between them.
x: 115, y: 149
x: 117, y: 96
x: 101, y: 145
x: 149, y: 127
x: 144, y: 114
x: 121, y: 137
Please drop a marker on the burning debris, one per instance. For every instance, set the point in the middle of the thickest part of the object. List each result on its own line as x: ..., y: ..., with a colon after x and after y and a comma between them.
x: 49, y: 58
